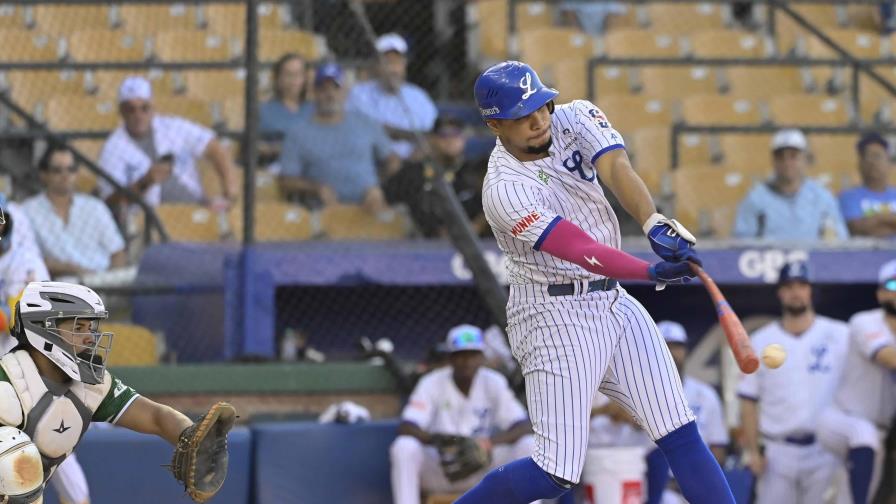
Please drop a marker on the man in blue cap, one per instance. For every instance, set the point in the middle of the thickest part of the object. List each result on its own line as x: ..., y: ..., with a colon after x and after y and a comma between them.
x: 331, y: 156
x: 780, y: 407
x: 870, y: 209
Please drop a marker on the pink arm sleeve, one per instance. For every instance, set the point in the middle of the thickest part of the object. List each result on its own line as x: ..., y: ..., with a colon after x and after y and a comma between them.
x: 569, y: 242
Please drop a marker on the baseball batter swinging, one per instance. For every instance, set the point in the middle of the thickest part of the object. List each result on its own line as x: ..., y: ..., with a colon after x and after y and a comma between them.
x: 572, y: 328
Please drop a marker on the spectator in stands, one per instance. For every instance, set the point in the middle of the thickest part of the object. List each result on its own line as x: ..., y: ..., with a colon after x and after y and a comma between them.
x: 76, y: 232
x: 19, y: 264
x: 789, y: 206
x: 870, y: 209
x: 404, y: 109
x: 282, y: 112
x: 410, y: 184
x: 155, y: 155
x: 330, y: 156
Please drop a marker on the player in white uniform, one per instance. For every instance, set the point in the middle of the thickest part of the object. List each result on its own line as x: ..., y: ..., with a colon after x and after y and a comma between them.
x: 463, y: 399
x: 855, y: 425
x: 571, y: 327
x: 782, y: 405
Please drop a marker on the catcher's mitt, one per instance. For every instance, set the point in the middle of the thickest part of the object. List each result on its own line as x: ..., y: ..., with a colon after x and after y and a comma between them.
x: 460, y: 456
x: 200, y: 457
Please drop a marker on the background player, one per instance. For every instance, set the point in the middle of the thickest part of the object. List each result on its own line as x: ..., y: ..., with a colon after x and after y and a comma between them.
x: 783, y: 405
x: 571, y: 327
x: 463, y: 399
x: 855, y: 425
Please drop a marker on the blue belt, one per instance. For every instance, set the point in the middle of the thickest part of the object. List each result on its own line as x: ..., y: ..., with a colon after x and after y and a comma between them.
x: 604, y: 284
x: 799, y: 439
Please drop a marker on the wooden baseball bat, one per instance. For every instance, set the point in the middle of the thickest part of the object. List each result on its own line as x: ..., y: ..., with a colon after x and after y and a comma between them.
x: 737, y: 336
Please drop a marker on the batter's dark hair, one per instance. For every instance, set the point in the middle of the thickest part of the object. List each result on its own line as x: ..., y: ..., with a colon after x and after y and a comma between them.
x: 52, y: 148
x: 278, y: 69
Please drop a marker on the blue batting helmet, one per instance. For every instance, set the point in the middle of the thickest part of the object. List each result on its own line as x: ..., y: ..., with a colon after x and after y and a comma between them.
x: 510, y: 90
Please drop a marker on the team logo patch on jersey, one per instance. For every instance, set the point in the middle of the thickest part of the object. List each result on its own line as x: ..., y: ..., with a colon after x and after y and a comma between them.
x: 599, y: 118
x: 524, y: 223
x: 544, y: 177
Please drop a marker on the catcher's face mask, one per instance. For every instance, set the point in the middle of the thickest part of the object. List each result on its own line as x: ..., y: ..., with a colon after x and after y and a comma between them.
x: 89, y: 347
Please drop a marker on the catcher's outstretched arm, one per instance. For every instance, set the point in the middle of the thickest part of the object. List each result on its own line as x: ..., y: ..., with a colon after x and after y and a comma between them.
x: 150, y: 417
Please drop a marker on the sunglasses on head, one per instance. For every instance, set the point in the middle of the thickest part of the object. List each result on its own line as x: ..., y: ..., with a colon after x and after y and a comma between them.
x: 889, y: 285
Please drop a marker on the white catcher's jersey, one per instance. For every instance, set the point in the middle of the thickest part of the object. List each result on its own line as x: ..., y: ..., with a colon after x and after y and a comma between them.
x: 867, y: 390
x: 707, y: 407
x: 437, y: 405
x: 522, y: 200
x: 792, y: 397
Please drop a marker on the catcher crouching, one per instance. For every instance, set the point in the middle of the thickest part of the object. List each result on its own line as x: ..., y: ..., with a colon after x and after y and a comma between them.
x: 55, y: 382
x: 460, y: 422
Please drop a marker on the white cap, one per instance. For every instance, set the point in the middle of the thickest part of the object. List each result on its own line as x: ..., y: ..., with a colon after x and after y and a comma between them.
x: 465, y: 337
x: 391, y: 42
x: 134, y: 87
x: 887, y: 272
x: 789, y: 138
x: 672, y: 332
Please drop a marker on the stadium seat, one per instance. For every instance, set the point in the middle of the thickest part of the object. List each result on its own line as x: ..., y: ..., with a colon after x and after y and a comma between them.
x: 490, y: 18
x: 720, y: 110
x: 186, y: 222
x: 106, y: 82
x: 27, y: 46
x: 233, y: 113
x: 29, y: 88
x: 215, y: 85
x: 229, y: 20
x: 60, y: 20
x: 683, y: 18
x: 808, y: 110
x: 874, y: 98
x: 651, y: 157
x: 790, y: 35
x: 193, y: 109
x: 133, y: 345
x: 638, y: 43
x: 105, y: 46
x: 275, y: 43
x: 863, y: 17
x: 834, y: 159
x: 694, y: 149
x: 673, y: 82
x: 630, y: 113
x: 763, y: 82
x: 90, y: 148
x: 628, y: 18
x: 539, y: 48
x: 706, y: 198
x: 350, y: 222
x: 278, y: 222
x: 747, y: 153
x: 859, y: 43
x: 12, y: 17
x: 569, y: 76
x: 611, y: 80
x: 80, y: 113
x: 191, y: 45
x: 726, y: 44
x: 147, y: 20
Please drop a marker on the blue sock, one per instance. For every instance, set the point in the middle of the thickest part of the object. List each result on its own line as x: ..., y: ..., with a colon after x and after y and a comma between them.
x: 657, y: 476
x: 519, y: 482
x: 861, y: 464
x: 698, y: 474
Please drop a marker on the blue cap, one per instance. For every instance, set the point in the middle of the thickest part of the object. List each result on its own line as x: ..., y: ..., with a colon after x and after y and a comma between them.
x: 329, y: 70
x: 465, y: 337
x: 510, y: 90
x: 797, y: 271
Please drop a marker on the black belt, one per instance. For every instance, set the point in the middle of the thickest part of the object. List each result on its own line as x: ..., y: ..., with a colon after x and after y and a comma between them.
x: 594, y: 285
x: 800, y: 439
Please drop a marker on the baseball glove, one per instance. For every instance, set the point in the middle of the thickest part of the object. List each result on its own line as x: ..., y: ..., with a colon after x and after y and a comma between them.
x: 200, y: 457
x: 460, y: 456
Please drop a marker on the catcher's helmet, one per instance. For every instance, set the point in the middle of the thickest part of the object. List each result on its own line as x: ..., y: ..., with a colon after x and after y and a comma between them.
x: 37, y: 314
x: 510, y: 90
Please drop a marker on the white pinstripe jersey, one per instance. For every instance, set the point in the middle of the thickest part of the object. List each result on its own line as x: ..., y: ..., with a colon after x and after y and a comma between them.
x: 522, y: 200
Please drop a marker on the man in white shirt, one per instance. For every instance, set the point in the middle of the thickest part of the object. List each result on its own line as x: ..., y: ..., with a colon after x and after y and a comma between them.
x: 155, y: 155
x: 404, y: 109
x: 76, y: 232
x: 463, y: 399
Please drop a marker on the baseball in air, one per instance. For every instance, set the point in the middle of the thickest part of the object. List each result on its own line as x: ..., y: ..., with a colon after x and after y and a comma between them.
x: 774, y: 355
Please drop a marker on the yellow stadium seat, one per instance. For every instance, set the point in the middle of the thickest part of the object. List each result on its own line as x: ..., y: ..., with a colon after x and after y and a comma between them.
x: 706, y: 198
x: 60, y: 20
x: 720, y: 110
x: 611, y: 80
x: 193, y: 109
x: 873, y: 97
x: 80, y: 113
x: 186, y: 222
x: 278, y: 221
x: 624, y: 20
x: 215, y: 85
x: 132, y: 345
x: 726, y: 44
x: 694, y: 148
x: 192, y: 45
x: 147, y: 20
x: 808, y: 110
x: 630, y: 113
x: 789, y: 33
x: 90, y: 148
x: 651, y: 157
x: 12, y: 17
x: 747, y: 153
x: 637, y: 43
x: 763, y: 82
x: 859, y: 43
x: 864, y: 17
x: 106, y: 82
x: 539, y: 48
x: 105, y: 46
x: 491, y: 26
x: 682, y: 18
x: 18, y: 46
x: 834, y: 159
x: 569, y: 76
x: 229, y: 20
x: 350, y: 222
x: 275, y: 43
x: 32, y: 87
x: 233, y: 112
x: 673, y: 82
